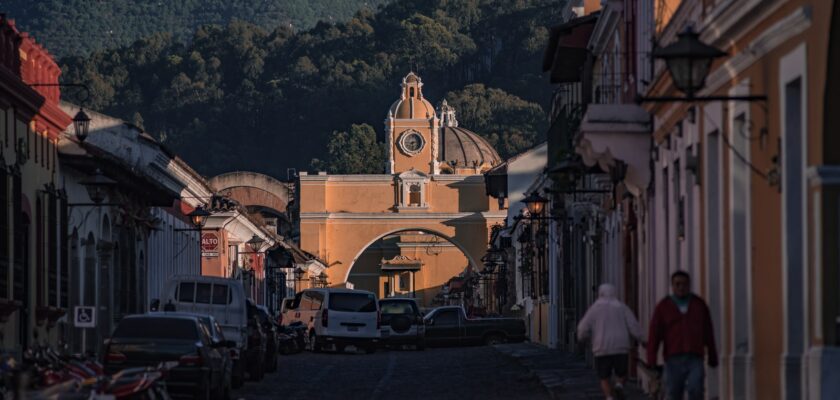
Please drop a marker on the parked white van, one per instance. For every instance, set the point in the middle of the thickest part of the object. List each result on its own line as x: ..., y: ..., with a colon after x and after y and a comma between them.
x: 222, y: 298
x: 337, y: 317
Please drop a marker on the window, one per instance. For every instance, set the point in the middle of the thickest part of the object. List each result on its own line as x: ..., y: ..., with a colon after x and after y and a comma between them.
x: 5, y: 234
x: 21, y: 240
x: 52, y: 242
x: 405, y: 281
x: 202, y: 293
x: 414, y: 195
x: 398, y: 307
x: 64, y: 274
x: 296, y: 302
x: 90, y: 271
x: 220, y: 294
x: 157, y: 328
x: 186, y: 291
x: 39, y: 252
x: 316, y: 299
x: 352, y: 302
x: 446, y: 317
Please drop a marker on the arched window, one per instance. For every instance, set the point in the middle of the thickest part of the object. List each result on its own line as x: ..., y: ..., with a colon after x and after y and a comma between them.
x: 415, y: 196
x: 411, y: 92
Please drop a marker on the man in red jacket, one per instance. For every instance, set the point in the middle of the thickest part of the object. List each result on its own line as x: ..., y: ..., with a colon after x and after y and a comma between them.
x: 682, y: 322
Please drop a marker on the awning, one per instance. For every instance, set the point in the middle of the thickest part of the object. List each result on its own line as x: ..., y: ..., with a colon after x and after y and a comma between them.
x: 617, y: 132
x: 567, y: 51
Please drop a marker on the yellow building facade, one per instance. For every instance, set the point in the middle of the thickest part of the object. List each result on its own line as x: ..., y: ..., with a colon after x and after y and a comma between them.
x: 424, y: 221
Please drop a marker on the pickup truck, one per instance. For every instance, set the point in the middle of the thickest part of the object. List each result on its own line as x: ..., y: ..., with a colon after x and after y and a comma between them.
x: 450, y: 326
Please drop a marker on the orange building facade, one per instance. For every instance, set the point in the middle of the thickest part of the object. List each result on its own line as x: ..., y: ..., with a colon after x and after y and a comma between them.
x: 413, y: 229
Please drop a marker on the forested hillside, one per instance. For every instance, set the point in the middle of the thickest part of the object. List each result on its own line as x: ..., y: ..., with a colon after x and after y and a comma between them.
x: 71, y: 27
x: 242, y: 97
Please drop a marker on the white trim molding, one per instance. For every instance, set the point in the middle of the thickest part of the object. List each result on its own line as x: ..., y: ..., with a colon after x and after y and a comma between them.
x: 793, y: 66
x: 791, y: 25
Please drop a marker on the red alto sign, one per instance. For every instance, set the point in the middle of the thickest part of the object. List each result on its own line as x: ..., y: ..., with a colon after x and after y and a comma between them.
x: 209, y: 245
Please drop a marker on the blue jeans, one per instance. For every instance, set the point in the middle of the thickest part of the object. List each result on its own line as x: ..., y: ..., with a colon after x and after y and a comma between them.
x: 685, y: 372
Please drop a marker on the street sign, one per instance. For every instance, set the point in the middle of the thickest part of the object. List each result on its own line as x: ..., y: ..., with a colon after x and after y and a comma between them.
x: 209, y: 245
x: 84, y: 316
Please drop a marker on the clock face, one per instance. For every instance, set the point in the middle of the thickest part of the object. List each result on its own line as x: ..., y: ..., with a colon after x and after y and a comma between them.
x: 412, y: 142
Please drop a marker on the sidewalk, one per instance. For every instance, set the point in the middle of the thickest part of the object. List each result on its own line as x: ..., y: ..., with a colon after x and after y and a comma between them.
x: 564, y: 375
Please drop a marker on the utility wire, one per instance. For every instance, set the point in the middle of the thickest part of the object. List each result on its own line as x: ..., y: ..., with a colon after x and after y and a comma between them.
x: 735, y: 150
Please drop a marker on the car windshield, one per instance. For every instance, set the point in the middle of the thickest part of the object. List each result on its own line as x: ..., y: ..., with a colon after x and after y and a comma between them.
x: 352, y: 302
x: 157, y: 328
x: 397, y: 307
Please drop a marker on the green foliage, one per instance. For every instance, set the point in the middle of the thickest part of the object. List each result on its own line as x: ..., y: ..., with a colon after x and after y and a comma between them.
x: 354, y: 152
x: 80, y: 26
x: 510, y: 124
x: 239, y: 96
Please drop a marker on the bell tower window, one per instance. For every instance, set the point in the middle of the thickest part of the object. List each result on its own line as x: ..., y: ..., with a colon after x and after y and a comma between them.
x: 410, y: 92
x: 414, y: 195
x: 411, y: 194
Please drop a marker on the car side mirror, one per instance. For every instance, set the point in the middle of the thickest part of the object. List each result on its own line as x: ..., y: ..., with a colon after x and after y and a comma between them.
x: 430, y: 322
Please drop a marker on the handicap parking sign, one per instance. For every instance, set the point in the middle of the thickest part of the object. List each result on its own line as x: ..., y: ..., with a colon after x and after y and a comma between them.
x: 84, y: 317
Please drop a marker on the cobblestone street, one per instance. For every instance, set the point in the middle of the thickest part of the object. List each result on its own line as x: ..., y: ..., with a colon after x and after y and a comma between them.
x: 440, y: 373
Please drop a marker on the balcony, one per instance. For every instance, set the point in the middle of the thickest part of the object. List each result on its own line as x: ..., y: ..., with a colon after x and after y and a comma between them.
x: 617, y: 132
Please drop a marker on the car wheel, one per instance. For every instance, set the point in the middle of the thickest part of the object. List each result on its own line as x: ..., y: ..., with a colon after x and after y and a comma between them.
x: 421, y: 344
x: 494, y: 338
x: 314, y: 346
x: 339, y: 348
x: 370, y: 349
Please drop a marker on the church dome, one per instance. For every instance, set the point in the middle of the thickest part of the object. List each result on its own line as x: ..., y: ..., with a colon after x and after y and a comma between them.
x: 465, y: 148
x: 411, y: 104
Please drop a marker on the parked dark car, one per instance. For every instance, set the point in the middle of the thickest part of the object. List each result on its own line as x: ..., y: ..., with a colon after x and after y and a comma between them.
x: 148, y: 340
x: 402, y: 323
x: 230, y: 355
x: 257, y: 343
x: 450, y: 326
x: 272, y: 335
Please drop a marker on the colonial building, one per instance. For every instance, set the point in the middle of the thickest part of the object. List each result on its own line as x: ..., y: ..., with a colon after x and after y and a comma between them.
x: 745, y: 193
x: 33, y: 268
x: 736, y: 185
x: 423, y: 222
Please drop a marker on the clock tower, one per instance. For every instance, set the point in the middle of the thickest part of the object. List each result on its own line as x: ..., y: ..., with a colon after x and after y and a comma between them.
x: 412, y: 131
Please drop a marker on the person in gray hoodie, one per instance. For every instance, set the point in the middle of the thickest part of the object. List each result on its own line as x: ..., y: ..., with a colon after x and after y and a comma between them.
x: 612, y: 327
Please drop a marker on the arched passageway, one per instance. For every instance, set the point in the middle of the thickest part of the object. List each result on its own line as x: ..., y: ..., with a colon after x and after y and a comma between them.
x: 418, y: 263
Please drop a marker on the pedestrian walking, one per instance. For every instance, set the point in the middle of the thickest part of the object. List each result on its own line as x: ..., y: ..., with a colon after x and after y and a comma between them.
x: 612, y: 327
x: 683, y: 324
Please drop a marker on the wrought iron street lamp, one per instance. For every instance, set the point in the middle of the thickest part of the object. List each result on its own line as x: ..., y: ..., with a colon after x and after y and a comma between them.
x: 81, y: 124
x: 535, y: 203
x: 689, y: 60
x: 322, y: 279
x: 97, y: 187
x: 81, y: 121
x: 255, y: 244
x: 198, y: 217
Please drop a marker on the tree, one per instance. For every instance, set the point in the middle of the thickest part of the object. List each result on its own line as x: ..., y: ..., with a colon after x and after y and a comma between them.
x: 510, y: 124
x: 265, y: 101
x: 354, y: 152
